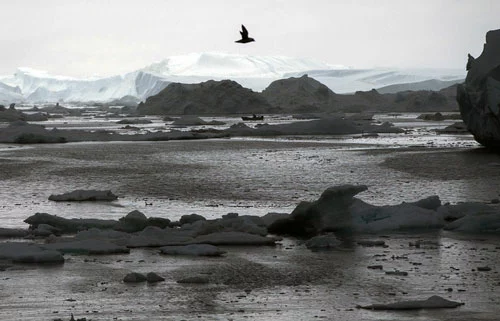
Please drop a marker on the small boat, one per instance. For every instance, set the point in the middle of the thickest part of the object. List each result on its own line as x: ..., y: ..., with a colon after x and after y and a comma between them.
x: 254, y: 117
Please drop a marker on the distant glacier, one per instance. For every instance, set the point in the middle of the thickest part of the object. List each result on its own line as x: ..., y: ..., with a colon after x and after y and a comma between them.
x: 254, y: 72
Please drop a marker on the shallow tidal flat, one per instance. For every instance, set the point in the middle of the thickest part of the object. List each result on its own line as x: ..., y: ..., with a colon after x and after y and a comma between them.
x: 250, y: 176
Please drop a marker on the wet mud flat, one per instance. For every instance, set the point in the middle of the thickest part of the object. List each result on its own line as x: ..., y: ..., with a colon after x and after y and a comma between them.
x: 215, y: 177
x: 286, y: 282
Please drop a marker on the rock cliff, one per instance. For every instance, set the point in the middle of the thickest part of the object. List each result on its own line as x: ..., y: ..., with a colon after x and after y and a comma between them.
x: 479, y: 96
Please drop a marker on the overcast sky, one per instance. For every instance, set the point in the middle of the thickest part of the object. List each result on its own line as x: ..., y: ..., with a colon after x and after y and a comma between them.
x: 82, y: 38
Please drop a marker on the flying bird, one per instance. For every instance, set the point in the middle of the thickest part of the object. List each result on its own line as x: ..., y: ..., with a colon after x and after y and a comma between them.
x: 244, y: 36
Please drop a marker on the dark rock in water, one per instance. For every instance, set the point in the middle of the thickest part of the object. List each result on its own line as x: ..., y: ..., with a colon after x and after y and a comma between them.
x: 434, y: 302
x: 134, y: 277
x: 210, y: 97
x: 152, y: 277
x: 329, y: 213
x: 84, y: 195
x: 479, y: 96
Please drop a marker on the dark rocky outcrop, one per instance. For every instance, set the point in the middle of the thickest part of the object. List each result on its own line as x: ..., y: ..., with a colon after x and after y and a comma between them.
x: 479, y: 96
x: 292, y: 95
x: 298, y: 95
x: 210, y: 97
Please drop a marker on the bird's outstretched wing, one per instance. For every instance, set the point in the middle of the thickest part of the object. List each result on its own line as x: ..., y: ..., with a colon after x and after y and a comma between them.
x: 244, y: 32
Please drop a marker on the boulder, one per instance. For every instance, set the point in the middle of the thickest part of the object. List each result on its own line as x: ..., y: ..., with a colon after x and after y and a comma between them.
x: 152, y: 277
x: 22, y: 252
x: 134, y: 277
x: 84, y: 195
x: 192, y: 250
x: 479, y: 96
x: 434, y: 302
